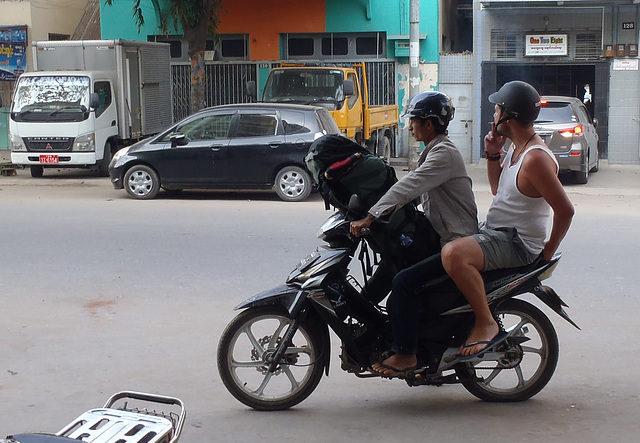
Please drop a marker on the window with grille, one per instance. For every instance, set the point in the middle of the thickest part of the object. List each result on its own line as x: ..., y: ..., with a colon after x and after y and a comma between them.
x: 505, y: 45
x: 357, y: 45
x: 588, y: 45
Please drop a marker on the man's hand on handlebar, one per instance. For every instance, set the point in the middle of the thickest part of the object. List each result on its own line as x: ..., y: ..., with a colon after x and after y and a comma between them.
x: 361, y: 227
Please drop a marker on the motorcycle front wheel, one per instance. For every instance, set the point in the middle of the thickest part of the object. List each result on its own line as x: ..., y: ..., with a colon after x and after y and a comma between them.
x: 245, y: 351
x: 526, y: 368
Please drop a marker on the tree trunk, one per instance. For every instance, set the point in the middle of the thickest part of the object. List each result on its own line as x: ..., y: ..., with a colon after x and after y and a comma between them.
x: 198, y: 85
x: 196, y: 35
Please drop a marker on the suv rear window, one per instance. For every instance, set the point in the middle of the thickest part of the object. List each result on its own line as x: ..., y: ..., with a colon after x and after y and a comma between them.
x: 556, y: 112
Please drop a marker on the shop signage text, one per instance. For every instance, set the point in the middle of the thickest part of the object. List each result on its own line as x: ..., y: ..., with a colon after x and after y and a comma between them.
x: 546, y: 44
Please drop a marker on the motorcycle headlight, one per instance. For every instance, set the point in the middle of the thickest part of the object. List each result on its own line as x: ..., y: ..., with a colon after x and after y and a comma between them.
x: 16, y: 143
x: 86, y: 143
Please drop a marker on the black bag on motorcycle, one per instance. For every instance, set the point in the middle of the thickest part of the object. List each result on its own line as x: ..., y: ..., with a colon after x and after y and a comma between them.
x: 342, y: 168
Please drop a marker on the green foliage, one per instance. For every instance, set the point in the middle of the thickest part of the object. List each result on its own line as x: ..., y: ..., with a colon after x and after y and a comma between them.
x: 189, y: 13
x: 137, y: 12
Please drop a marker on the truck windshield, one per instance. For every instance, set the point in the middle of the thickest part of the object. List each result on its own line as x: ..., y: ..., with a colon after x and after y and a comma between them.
x: 51, y: 98
x: 306, y: 86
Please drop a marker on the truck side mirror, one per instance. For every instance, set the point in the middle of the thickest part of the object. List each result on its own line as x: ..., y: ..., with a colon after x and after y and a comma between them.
x: 251, y: 89
x: 178, y: 139
x: 348, y: 88
x: 94, y: 101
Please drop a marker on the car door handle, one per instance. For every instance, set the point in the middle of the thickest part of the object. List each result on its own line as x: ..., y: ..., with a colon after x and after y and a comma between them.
x: 216, y: 147
x: 275, y: 145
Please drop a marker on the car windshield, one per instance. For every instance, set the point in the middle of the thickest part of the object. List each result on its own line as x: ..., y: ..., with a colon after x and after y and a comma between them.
x: 304, y: 86
x: 556, y: 112
x: 49, y: 98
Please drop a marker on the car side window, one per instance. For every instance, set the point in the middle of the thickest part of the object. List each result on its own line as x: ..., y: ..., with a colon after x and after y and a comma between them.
x: 103, y: 89
x: 583, y: 114
x: 293, y: 122
x: 256, y: 125
x: 209, y: 127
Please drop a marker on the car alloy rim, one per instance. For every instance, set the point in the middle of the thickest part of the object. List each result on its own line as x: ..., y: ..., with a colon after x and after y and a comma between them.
x: 140, y: 183
x: 292, y: 183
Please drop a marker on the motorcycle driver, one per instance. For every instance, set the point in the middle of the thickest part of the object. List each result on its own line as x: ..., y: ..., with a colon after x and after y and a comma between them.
x: 444, y: 187
x: 526, y: 189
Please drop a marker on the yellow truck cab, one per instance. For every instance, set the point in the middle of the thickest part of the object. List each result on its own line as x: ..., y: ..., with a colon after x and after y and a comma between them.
x: 337, y: 88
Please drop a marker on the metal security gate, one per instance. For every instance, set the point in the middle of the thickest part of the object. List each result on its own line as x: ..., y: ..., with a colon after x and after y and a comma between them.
x: 225, y: 83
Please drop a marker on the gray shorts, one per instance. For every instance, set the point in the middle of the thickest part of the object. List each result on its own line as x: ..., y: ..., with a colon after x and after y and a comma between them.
x: 503, y: 248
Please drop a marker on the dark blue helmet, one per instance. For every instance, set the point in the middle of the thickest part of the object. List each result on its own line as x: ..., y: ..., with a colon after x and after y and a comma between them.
x: 431, y: 104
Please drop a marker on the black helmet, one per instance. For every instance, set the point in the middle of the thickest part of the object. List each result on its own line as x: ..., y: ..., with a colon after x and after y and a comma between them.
x: 519, y: 100
x: 431, y: 104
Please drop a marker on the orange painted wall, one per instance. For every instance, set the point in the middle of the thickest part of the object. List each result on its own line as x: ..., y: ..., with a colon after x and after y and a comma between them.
x: 266, y: 19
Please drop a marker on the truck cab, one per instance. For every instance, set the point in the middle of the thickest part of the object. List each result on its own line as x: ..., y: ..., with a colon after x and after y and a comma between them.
x: 339, y: 89
x: 87, y: 98
x: 82, y: 107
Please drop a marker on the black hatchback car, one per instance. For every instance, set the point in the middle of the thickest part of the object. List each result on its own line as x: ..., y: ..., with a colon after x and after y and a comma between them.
x: 243, y: 146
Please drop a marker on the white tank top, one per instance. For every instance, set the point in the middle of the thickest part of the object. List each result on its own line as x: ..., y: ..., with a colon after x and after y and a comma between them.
x: 512, y: 209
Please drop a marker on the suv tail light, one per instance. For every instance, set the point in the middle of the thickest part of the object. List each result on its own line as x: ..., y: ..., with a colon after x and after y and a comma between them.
x: 576, y: 130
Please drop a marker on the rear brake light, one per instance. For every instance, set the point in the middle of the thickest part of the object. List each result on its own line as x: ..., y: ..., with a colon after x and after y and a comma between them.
x: 543, y: 102
x: 577, y: 130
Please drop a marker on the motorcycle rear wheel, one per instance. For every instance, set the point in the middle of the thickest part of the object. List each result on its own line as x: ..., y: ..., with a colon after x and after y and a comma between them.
x: 516, y: 380
x: 243, y: 359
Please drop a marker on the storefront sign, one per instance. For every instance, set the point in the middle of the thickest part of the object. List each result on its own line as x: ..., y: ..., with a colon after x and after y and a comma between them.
x: 546, y: 44
x: 625, y: 64
x: 13, y: 51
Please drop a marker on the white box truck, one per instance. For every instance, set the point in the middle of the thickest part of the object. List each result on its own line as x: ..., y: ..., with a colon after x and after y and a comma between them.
x: 86, y: 99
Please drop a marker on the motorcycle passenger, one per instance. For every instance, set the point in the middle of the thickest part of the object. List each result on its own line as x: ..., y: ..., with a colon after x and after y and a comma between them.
x: 444, y: 187
x: 526, y: 189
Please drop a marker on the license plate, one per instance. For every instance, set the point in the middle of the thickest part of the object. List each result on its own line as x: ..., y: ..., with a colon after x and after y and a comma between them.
x: 49, y: 159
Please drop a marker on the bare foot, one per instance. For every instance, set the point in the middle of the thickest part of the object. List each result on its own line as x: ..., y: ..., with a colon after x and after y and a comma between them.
x: 396, y: 363
x: 479, y: 334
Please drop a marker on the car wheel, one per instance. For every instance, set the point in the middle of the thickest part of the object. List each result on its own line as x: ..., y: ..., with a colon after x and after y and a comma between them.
x: 141, y: 182
x: 583, y: 177
x: 36, y: 171
x: 293, y: 184
x: 597, y: 165
x: 384, y: 148
x: 103, y: 169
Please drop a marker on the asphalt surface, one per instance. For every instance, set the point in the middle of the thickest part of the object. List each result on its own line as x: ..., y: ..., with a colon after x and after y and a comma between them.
x: 101, y: 293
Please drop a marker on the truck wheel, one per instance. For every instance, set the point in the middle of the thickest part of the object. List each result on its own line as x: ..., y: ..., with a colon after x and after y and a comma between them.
x: 384, y: 148
x: 37, y: 171
x: 104, y: 163
x: 293, y: 184
x: 141, y: 182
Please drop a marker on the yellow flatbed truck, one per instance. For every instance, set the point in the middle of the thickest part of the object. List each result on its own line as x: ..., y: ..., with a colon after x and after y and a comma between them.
x: 339, y: 89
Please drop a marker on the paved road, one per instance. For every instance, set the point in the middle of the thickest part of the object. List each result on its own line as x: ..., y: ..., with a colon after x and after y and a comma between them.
x: 101, y: 293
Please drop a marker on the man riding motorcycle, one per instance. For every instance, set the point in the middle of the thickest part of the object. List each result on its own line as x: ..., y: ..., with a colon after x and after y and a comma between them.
x: 444, y: 187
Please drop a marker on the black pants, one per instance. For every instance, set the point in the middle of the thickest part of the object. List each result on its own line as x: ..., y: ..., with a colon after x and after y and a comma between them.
x: 404, y: 302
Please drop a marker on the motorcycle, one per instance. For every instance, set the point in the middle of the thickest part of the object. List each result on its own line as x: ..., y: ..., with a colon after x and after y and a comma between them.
x: 273, y: 354
x: 127, y: 416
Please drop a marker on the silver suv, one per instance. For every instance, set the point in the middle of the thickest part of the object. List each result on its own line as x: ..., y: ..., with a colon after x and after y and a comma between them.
x: 569, y: 131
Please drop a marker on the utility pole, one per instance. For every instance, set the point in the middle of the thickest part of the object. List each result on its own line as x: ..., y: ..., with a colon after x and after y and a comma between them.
x: 414, y: 71
x: 414, y: 47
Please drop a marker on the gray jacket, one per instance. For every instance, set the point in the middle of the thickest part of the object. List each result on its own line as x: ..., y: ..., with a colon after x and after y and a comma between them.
x: 444, y: 187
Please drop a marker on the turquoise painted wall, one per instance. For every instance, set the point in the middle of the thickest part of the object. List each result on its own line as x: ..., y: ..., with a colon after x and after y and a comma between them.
x: 116, y: 21
x: 391, y: 16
